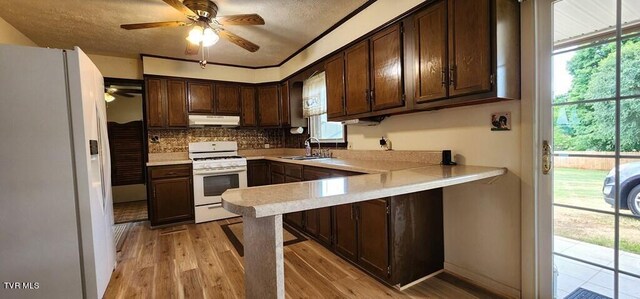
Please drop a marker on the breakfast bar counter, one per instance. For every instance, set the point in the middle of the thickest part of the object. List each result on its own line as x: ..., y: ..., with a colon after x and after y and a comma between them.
x: 262, y: 209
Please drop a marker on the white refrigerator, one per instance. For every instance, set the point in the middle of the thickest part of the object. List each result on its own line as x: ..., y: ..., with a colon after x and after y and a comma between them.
x: 56, y: 212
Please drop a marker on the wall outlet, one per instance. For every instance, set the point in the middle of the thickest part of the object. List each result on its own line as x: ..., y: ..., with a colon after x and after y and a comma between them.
x: 266, y: 145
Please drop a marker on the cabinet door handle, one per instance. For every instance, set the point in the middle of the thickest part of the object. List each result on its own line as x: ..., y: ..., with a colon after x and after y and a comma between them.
x: 366, y: 95
x: 444, y: 78
x: 372, y: 96
x: 452, y: 73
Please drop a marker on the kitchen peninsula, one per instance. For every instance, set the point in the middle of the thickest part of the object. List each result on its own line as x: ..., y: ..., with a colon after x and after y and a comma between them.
x: 263, y: 207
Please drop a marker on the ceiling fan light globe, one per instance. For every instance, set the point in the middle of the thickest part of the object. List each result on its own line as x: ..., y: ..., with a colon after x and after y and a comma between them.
x: 209, y: 38
x: 108, y: 97
x: 195, y: 35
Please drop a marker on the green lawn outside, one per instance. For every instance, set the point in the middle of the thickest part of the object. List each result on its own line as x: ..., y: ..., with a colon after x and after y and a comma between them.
x: 583, y: 188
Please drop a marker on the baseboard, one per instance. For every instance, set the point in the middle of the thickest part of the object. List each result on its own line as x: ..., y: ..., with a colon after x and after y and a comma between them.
x: 406, y: 286
x: 482, y: 281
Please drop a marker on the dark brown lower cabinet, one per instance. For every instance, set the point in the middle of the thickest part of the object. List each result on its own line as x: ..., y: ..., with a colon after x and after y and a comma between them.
x: 373, y: 236
x: 345, y: 232
x: 170, y: 194
x: 258, y: 173
x: 397, y: 240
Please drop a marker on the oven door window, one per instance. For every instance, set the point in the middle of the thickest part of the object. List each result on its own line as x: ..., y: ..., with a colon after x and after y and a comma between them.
x: 217, y: 184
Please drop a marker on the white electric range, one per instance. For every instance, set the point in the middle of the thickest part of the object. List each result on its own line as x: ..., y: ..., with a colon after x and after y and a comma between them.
x: 216, y: 168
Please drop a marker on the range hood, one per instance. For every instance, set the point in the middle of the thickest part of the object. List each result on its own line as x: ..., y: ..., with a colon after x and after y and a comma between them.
x: 213, y: 120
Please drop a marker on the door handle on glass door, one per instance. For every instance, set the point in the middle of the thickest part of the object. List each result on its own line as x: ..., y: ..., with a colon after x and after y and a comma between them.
x: 546, y: 157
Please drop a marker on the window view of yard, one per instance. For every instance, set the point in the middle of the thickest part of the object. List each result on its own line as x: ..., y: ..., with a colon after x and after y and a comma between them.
x: 583, y: 188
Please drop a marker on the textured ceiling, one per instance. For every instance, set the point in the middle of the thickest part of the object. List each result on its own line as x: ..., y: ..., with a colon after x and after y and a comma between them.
x: 93, y: 25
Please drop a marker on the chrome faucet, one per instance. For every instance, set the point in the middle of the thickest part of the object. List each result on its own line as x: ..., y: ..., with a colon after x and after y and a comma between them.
x: 307, y: 142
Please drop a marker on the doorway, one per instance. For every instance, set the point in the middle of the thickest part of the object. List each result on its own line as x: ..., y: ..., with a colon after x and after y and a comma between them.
x: 595, y: 131
x: 125, y: 123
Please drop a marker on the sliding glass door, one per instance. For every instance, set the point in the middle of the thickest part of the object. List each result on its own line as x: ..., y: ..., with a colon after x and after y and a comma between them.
x: 596, y: 148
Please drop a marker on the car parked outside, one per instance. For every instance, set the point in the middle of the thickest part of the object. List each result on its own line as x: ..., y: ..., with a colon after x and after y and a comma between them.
x: 629, y: 185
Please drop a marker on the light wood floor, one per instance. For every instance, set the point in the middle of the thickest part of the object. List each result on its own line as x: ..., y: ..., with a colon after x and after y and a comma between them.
x: 198, y: 261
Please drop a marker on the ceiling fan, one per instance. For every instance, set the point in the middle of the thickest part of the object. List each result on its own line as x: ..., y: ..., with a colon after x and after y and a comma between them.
x: 207, y: 26
x: 112, y: 90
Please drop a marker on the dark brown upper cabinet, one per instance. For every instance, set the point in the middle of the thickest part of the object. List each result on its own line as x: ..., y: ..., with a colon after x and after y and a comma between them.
x: 248, y: 97
x: 387, y: 90
x: 357, y: 79
x: 469, y: 47
x: 200, y: 97
x: 285, y: 115
x: 268, y: 106
x: 166, y: 103
x: 466, y: 52
x: 156, y: 109
x: 227, y: 99
x: 177, y: 103
x: 334, y: 75
x: 431, y: 53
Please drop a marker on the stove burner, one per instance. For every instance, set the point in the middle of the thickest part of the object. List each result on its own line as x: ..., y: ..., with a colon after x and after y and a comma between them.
x: 217, y: 158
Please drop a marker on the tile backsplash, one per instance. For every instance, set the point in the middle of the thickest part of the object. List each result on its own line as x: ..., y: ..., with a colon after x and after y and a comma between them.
x: 173, y: 141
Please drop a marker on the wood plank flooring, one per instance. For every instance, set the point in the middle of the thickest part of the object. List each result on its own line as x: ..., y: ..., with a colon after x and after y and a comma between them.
x: 198, y: 261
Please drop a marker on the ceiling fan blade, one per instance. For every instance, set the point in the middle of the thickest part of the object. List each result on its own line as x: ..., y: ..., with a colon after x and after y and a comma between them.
x: 247, y: 19
x: 153, y: 25
x: 191, y: 49
x: 124, y: 94
x: 177, y: 4
x: 124, y: 90
x: 249, y: 46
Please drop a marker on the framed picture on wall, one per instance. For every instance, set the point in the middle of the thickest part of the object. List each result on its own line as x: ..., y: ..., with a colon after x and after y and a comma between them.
x: 501, y: 121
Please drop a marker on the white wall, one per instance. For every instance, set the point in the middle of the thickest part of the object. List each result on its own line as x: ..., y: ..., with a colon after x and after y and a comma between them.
x: 10, y: 35
x: 482, y: 222
x: 123, y: 110
x: 118, y: 67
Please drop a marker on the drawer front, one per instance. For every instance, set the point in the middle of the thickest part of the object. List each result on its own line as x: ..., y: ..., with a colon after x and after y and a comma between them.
x: 277, y: 167
x: 293, y: 170
x: 212, y: 212
x: 170, y: 171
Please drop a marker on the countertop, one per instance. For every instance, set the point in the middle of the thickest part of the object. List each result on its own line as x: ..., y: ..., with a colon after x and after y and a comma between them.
x: 364, y: 166
x: 293, y: 197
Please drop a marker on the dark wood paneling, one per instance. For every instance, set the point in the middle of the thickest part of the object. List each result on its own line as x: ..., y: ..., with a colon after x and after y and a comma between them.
x: 200, y: 97
x: 357, y: 79
x: 324, y: 226
x: 227, y: 99
x: 345, y: 232
x: 248, y: 96
x: 177, y: 104
x: 285, y: 119
x: 416, y: 226
x: 373, y: 236
x: 127, y: 152
x: 268, y: 106
x: 469, y: 47
x: 334, y: 76
x: 257, y: 173
x: 155, y: 89
x: 386, y: 69
x: 431, y: 53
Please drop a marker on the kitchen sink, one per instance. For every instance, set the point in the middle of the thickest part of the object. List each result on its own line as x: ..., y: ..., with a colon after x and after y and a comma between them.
x: 303, y: 158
